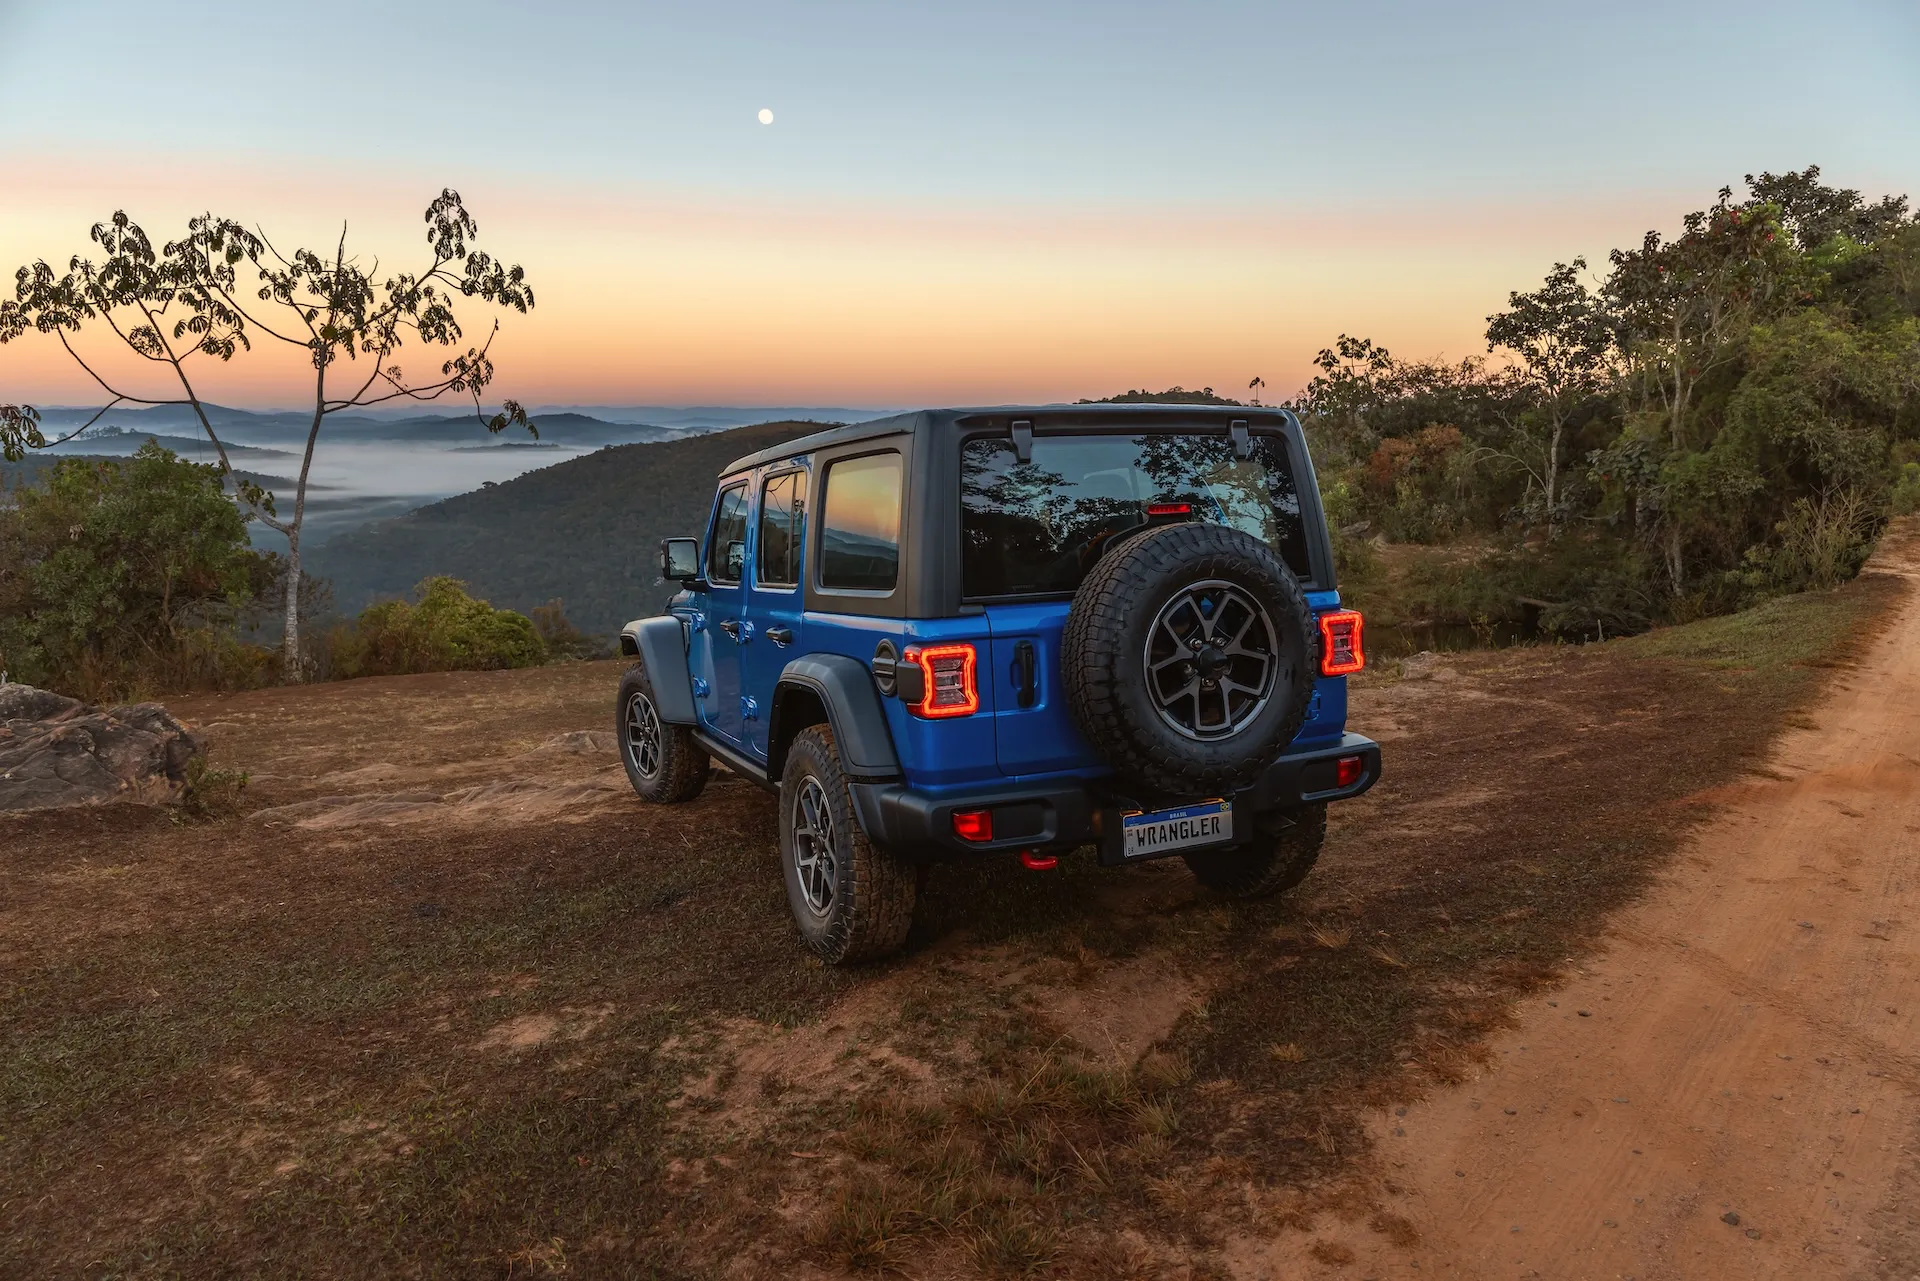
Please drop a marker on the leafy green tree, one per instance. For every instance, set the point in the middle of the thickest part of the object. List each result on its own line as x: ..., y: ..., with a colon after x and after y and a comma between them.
x: 115, y: 573
x: 444, y: 630
x: 207, y: 296
x: 1562, y: 338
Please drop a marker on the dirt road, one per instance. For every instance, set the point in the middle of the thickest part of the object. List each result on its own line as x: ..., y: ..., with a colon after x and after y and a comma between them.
x: 1732, y: 1089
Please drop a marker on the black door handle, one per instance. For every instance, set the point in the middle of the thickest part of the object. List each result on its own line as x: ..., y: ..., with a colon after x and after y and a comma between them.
x: 1025, y: 672
x: 780, y: 635
x: 731, y: 627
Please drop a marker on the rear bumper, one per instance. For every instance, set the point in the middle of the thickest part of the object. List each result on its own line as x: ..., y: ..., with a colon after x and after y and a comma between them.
x: 1059, y: 816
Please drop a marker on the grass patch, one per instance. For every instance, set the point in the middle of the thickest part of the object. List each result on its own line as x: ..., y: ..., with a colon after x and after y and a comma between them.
x: 234, y: 1050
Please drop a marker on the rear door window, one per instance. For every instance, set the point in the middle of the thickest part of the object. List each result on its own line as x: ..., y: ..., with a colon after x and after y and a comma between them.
x: 860, y: 524
x: 783, y: 515
x: 1035, y: 528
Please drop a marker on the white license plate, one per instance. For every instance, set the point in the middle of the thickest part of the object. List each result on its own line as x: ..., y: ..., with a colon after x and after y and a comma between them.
x: 1163, y: 831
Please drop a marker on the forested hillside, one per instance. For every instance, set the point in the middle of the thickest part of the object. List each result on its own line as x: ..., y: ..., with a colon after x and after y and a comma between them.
x: 586, y: 531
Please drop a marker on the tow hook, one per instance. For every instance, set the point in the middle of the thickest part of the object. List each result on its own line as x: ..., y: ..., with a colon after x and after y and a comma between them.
x: 1038, y: 862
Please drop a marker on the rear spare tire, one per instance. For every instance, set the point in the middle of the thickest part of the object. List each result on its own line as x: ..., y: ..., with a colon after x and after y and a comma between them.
x: 1189, y: 657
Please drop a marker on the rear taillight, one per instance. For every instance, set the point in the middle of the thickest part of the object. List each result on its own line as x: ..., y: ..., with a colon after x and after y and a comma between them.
x: 949, y: 683
x: 1347, y: 770
x: 1341, y: 653
x: 973, y: 825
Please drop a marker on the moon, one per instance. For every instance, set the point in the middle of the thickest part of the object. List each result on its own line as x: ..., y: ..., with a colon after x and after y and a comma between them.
x: 766, y: 115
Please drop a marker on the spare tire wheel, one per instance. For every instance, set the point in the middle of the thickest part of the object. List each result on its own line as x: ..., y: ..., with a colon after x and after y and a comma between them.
x: 1189, y: 658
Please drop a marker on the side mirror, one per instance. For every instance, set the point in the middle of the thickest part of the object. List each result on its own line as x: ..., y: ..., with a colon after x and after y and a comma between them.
x: 680, y: 559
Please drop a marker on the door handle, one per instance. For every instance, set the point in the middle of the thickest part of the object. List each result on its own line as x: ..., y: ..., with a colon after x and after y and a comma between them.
x: 1025, y: 672
x: 782, y: 636
x: 731, y: 626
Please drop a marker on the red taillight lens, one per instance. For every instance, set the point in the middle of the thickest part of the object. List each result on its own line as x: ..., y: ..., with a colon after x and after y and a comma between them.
x: 1347, y: 771
x: 950, y: 689
x: 1341, y: 653
x: 973, y: 825
x: 1169, y: 509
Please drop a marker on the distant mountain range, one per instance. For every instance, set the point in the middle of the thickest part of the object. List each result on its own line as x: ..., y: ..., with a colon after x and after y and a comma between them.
x: 557, y: 424
x: 586, y: 530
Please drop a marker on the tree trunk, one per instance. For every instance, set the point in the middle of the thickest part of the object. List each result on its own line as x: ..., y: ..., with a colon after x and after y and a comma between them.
x: 290, y: 639
x: 1675, y: 568
x: 1553, y: 479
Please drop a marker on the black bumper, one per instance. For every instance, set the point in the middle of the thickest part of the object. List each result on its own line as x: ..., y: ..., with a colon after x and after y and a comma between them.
x: 1057, y: 816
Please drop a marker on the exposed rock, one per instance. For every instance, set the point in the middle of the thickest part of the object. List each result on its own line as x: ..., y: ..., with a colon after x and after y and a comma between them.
x: 57, y: 751
x: 1422, y: 666
x: 582, y: 742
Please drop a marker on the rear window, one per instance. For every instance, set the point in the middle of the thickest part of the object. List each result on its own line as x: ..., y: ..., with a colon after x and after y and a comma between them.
x: 860, y: 524
x: 1037, y: 527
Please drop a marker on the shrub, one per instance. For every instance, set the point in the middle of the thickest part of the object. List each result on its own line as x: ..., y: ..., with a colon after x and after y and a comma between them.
x: 446, y: 630
x: 562, y: 639
x: 126, y: 577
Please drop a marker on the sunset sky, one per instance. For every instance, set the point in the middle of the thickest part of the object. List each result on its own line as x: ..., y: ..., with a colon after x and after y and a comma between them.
x: 954, y: 203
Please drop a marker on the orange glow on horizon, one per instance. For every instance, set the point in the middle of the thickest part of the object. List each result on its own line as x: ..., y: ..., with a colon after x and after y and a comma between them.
x: 670, y: 298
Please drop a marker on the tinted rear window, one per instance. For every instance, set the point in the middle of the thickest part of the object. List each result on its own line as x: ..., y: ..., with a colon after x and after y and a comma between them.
x: 860, y: 525
x: 1037, y: 527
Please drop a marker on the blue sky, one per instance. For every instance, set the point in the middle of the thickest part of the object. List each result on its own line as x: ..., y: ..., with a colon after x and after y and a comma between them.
x: 1454, y: 115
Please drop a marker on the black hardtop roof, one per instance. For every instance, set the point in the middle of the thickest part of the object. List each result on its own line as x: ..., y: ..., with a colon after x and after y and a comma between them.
x: 1000, y: 416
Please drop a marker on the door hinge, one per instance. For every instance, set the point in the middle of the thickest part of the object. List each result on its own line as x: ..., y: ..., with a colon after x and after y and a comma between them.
x: 749, y: 709
x: 699, y: 687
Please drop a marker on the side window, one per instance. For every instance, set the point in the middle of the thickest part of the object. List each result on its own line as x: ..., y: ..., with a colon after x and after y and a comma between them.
x: 783, y: 515
x: 727, y: 546
x: 860, y: 528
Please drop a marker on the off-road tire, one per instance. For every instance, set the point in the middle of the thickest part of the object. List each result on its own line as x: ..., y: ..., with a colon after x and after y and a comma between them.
x: 1283, y: 851
x: 873, y: 892
x: 682, y: 766
x: 1104, y: 667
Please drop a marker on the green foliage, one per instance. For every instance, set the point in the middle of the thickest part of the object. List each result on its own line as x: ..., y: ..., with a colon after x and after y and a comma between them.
x: 1171, y: 396
x: 1745, y: 397
x: 446, y: 630
x: 561, y: 638
x: 123, y: 576
x: 1906, y: 490
x: 210, y: 793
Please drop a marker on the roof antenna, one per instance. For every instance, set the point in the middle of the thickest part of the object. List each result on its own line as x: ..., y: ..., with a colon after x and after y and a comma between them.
x: 1023, y: 440
x: 1242, y: 439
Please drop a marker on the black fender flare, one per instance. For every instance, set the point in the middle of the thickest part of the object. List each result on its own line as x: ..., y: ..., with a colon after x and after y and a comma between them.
x: 661, y: 644
x: 845, y: 688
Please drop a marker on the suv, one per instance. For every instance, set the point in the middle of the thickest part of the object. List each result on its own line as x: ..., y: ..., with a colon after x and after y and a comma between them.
x: 968, y: 632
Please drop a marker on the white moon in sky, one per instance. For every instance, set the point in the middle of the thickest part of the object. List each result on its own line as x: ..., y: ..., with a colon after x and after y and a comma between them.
x: 766, y: 115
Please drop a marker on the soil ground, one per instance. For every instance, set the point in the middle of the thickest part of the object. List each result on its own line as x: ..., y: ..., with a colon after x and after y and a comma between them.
x: 444, y: 999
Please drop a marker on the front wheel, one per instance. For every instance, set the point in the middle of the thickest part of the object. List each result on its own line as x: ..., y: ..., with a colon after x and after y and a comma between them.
x: 852, y: 900
x: 663, y: 762
x: 1282, y: 852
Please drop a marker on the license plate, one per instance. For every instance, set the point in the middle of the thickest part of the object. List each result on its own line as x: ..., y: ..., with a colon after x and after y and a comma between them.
x: 1164, y: 831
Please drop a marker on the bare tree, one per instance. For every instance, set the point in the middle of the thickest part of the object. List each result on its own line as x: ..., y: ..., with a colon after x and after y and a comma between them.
x: 206, y: 296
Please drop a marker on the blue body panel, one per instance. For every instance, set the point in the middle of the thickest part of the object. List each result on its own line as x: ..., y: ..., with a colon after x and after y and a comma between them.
x: 1002, y: 742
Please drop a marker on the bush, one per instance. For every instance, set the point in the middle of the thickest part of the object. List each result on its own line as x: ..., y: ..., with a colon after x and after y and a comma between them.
x: 445, y: 631
x: 562, y: 639
x: 1906, y: 490
x: 121, y: 578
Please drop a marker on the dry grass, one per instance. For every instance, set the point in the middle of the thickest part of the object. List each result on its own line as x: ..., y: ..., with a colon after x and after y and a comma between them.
x: 442, y: 1051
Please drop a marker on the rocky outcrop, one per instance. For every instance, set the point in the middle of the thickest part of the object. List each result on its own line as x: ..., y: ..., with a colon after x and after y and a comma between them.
x: 57, y: 751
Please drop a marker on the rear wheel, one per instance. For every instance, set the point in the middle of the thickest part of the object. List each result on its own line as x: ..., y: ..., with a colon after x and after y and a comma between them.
x: 663, y: 762
x: 1282, y: 852
x: 852, y: 900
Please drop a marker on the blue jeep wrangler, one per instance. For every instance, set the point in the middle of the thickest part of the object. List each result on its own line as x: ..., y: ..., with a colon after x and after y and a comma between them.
x: 960, y: 633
